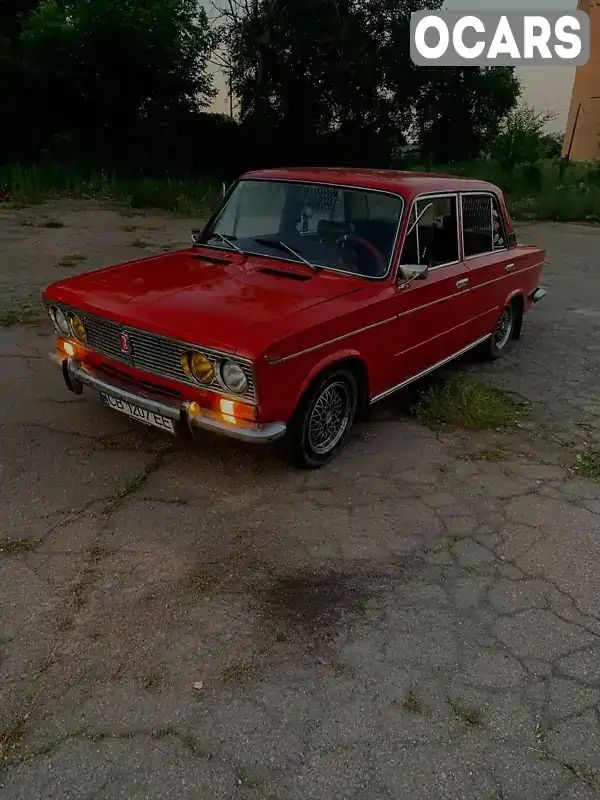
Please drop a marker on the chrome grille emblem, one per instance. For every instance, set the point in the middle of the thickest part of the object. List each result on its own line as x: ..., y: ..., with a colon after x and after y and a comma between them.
x: 125, y: 343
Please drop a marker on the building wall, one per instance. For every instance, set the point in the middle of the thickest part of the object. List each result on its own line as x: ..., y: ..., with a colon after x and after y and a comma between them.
x: 582, y: 133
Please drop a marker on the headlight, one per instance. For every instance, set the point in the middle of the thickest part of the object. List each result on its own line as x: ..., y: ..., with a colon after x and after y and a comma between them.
x: 62, y: 323
x: 78, y: 328
x: 233, y: 377
x: 201, y: 368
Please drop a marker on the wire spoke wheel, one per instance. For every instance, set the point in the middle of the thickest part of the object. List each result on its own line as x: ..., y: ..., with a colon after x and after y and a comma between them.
x: 329, y: 417
x: 504, y: 328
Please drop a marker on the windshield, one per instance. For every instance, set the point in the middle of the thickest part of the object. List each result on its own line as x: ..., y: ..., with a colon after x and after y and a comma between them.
x: 332, y: 227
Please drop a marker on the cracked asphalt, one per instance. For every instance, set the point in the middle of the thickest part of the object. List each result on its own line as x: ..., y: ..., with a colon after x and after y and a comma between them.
x: 413, y: 621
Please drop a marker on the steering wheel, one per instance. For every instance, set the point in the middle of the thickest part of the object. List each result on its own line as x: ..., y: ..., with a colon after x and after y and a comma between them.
x: 349, y: 237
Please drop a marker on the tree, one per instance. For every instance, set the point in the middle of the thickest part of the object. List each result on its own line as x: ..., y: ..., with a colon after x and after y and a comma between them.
x: 349, y: 80
x: 12, y: 14
x: 110, y: 76
x: 523, y: 138
x: 461, y: 110
x: 326, y: 79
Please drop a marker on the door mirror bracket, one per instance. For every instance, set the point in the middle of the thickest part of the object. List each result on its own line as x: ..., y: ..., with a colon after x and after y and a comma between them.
x: 412, y: 272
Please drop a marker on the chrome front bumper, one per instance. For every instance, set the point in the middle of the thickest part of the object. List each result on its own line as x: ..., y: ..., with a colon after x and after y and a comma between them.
x: 76, y: 377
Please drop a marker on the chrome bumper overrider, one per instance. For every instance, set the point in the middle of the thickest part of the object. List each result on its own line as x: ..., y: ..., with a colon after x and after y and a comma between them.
x: 538, y: 295
x: 76, y: 376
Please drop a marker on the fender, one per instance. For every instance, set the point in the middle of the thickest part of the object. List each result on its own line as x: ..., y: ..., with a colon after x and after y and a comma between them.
x: 325, y: 363
x: 514, y: 293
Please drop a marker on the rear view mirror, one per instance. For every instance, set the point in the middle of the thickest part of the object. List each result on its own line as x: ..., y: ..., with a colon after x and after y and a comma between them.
x: 413, y: 272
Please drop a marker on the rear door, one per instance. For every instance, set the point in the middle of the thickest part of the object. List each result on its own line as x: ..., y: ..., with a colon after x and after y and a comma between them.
x: 492, y: 269
x: 432, y: 312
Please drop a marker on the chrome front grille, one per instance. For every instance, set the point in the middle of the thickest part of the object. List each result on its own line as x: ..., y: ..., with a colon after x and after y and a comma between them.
x: 156, y: 354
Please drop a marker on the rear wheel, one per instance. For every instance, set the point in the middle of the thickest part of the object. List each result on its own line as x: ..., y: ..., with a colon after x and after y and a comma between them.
x: 322, y: 422
x: 504, y: 331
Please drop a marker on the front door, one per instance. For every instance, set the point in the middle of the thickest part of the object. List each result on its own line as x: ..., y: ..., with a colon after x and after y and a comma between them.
x: 432, y: 311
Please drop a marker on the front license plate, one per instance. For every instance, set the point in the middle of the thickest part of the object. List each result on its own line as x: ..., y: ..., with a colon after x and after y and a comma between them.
x: 141, y: 414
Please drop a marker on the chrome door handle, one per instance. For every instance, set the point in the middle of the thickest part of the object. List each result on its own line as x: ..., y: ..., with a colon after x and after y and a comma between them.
x: 462, y: 283
x: 510, y: 268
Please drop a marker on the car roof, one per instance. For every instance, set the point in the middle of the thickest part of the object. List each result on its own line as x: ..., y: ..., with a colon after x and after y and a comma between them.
x: 389, y: 180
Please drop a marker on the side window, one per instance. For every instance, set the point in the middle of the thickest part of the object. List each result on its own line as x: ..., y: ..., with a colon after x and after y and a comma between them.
x: 483, y: 229
x: 433, y: 240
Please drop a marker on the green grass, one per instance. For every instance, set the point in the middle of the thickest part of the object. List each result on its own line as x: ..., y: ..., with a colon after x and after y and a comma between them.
x: 201, y: 580
x: 589, y: 465
x: 11, y: 546
x: 470, y: 716
x: 115, y: 500
x: 68, y: 262
x: 541, y: 191
x: 28, y: 185
x: 493, y: 453
x: 10, y: 741
x: 464, y: 404
x: 24, y: 315
x: 412, y: 705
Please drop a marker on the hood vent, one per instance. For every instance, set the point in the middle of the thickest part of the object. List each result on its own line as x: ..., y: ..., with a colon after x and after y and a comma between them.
x: 211, y: 259
x: 278, y: 273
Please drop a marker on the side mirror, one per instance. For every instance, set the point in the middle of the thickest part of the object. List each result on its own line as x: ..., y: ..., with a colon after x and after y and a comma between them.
x: 412, y: 272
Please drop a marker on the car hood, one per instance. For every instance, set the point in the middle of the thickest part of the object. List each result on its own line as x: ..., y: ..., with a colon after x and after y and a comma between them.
x: 234, y: 306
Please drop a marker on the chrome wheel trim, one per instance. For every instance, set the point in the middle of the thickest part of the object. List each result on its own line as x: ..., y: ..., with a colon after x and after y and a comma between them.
x: 329, y: 417
x: 504, y: 327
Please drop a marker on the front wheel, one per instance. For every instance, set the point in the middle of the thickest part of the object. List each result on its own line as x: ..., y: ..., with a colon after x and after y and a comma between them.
x: 503, y: 332
x: 322, y: 422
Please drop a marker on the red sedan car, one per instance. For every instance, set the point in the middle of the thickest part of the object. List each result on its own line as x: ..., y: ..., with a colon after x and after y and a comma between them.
x: 309, y: 295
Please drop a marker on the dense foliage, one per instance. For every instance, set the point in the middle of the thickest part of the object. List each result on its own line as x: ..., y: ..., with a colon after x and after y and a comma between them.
x: 125, y: 86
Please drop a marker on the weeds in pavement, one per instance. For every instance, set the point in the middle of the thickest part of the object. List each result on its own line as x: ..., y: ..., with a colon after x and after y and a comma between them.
x: 10, y: 741
x: 492, y: 453
x: 201, y: 580
x: 12, y: 546
x: 588, y: 465
x: 68, y: 262
x: 26, y: 315
x: 412, y: 705
x: 470, y: 716
x: 115, y: 500
x: 462, y: 403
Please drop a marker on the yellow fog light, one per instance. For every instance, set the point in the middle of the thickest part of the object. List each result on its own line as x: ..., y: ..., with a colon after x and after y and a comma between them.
x: 78, y: 328
x: 68, y: 348
x: 197, y: 366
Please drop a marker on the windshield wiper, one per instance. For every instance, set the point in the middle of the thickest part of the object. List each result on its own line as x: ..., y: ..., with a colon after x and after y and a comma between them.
x: 278, y: 245
x: 229, y: 242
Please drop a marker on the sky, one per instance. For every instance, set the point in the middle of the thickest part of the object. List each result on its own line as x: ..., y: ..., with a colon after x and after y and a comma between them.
x: 546, y: 88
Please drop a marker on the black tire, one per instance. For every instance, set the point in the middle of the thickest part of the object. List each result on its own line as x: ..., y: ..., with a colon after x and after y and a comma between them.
x: 311, y: 445
x: 504, y: 331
